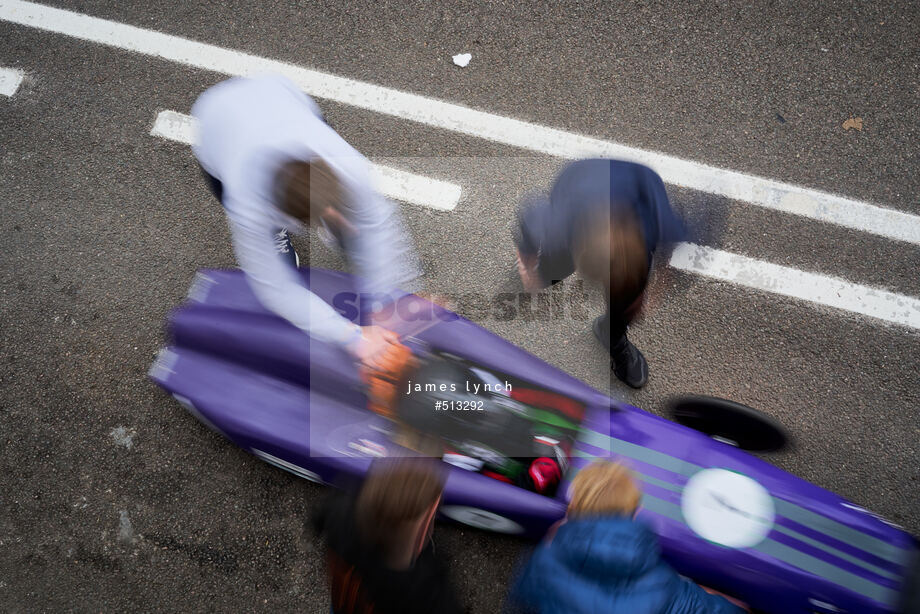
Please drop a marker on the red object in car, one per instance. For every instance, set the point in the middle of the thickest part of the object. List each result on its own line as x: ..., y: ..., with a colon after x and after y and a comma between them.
x: 545, y: 474
x: 497, y: 476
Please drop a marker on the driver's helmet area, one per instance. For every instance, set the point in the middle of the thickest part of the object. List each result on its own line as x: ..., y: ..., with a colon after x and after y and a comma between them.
x: 480, y: 420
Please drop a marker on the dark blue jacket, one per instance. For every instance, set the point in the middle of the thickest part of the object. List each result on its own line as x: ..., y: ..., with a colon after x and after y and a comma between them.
x: 550, y: 226
x: 607, y: 565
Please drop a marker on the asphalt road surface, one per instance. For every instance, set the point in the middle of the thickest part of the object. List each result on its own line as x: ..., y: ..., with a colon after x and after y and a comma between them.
x: 113, y: 498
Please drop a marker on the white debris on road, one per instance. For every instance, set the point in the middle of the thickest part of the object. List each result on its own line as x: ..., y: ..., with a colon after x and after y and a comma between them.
x: 462, y: 59
x: 125, y: 530
x: 123, y: 436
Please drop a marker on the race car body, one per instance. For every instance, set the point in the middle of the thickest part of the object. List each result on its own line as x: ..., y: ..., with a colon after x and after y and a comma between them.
x: 725, y: 518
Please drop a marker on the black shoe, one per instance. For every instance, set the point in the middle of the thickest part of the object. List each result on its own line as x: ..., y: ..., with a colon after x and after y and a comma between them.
x: 284, y: 247
x: 627, y: 361
x: 629, y: 364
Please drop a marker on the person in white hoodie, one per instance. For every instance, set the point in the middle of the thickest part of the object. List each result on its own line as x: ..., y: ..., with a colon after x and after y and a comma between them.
x: 277, y: 167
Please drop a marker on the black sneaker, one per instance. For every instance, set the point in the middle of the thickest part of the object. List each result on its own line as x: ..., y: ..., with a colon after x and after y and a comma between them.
x: 627, y: 361
x: 629, y: 364
x: 284, y: 247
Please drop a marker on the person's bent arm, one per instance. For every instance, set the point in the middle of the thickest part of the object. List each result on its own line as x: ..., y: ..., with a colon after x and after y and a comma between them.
x: 278, y: 286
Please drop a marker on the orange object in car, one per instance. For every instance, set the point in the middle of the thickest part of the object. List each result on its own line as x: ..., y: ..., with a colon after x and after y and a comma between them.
x: 383, y: 383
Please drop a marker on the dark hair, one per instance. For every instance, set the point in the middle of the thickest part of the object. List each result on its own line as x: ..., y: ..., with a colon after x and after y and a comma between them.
x: 305, y: 188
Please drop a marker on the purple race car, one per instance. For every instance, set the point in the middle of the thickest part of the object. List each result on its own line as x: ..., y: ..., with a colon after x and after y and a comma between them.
x: 725, y: 518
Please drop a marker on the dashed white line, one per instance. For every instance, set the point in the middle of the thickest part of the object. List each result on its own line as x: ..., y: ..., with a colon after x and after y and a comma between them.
x: 806, y: 202
x: 415, y: 189
x: 813, y: 287
x: 391, y: 182
x: 10, y: 78
x: 175, y: 127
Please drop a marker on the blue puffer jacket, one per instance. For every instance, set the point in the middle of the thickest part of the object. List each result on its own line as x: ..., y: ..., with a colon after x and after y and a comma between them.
x: 608, y: 565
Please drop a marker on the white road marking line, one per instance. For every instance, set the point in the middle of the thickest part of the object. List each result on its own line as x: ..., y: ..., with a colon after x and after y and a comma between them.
x: 415, y: 189
x: 175, y: 127
x: 391, y: 182
x: 813, y: 287
x: 10, y: 78
x: 759, y: 191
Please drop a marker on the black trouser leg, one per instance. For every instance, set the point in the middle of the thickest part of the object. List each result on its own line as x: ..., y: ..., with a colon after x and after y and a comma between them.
x: 620, y: 313
x: 627, y: 361
x: 613, y: 327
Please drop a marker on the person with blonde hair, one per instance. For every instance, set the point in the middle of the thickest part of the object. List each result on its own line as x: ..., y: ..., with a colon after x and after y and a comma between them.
x: 601, y: 560
x: 378, y: 542
x: 604, y: 219
x: 277, y: 167
x: 603, y: 489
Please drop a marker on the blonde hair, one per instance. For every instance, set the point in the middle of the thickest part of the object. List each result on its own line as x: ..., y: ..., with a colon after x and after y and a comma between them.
x: 305, y: 188
x: 604, y: 488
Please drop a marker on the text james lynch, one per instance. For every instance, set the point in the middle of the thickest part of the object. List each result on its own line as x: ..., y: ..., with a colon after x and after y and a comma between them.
x: 473, y: 387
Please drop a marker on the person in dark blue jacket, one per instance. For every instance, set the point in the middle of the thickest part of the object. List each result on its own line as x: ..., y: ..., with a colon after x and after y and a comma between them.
x: 604, y: 218
x: 602, y: 561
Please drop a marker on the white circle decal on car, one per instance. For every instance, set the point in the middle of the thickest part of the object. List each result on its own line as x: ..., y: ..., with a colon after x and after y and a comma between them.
x: 481, y: 519
x: 727, y: 508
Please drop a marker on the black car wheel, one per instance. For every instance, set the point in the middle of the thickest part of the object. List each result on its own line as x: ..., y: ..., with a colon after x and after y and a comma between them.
x: 730, y: 422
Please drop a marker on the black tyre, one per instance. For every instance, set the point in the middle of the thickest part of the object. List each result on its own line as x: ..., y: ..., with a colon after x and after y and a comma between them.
x: 730, y: 422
